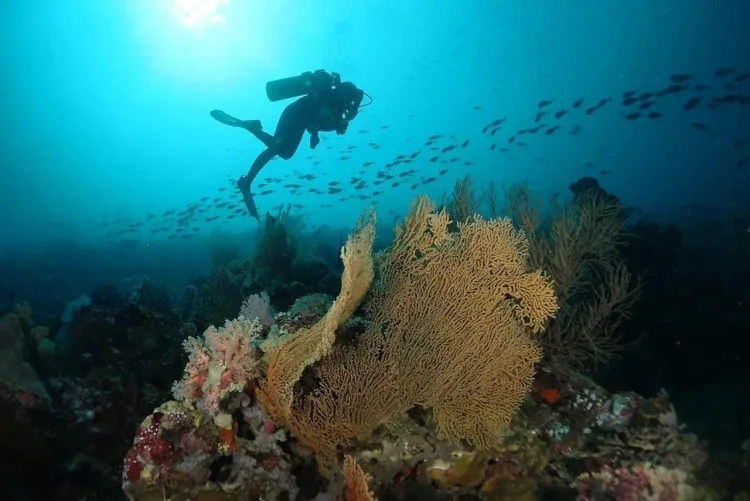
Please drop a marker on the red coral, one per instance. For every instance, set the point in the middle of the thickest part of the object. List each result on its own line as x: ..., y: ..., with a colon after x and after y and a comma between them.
x: 549, y: 395
x: 148, y: 447
x: 133, y: 466
x: 160, y: 451
x: 229, y: 438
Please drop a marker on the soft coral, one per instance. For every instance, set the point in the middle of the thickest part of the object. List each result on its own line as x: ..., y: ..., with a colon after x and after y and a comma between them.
x: 223, y: 361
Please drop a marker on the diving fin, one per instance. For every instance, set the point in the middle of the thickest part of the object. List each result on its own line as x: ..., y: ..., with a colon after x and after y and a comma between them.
x: 226, y: 118
x: 250, y: 204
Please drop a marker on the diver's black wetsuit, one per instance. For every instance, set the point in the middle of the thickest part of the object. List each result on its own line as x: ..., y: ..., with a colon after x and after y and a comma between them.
x: 325, y: 110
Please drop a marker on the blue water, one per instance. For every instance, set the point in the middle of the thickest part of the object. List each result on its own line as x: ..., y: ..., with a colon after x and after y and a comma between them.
x: 105, y: 114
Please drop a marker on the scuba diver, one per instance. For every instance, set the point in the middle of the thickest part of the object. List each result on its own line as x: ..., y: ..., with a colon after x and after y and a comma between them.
x: 327, y: 105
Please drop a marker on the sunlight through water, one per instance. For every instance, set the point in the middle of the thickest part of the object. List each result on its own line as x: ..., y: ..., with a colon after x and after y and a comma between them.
x: 203, y: 42
x: 196, y: 14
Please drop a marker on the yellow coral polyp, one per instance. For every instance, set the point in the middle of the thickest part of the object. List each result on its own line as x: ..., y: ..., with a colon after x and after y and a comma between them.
x: 147, y: 473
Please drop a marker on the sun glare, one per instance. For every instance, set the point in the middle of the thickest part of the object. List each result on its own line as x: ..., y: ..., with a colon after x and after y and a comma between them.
x: 196, y: 14
x: 205, y: 41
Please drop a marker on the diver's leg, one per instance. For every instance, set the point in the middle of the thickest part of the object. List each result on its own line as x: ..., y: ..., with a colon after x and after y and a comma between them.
x: 291, y: 128
x: 260, y: 162
x: 257, y: 131
x: 244, y: 182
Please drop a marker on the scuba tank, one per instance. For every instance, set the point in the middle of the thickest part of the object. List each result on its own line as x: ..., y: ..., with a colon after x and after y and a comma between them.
x: 286, y: 88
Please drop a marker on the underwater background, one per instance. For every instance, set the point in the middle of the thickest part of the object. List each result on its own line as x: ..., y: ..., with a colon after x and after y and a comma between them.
x: 115, y: 180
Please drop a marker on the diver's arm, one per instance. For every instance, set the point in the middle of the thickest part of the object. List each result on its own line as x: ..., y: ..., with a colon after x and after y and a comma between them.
x: 342, y: 126
x: 353, y: 108
x: 350, y: 112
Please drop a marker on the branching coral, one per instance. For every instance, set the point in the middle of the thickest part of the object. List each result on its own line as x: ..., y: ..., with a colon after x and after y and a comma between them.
x: 577, y: 244
x: 154, y: 296
x: 356, y: 482
x: 220, y: 297
x: 463, y: 202
x: 277, y: 248
x: 451, y: 317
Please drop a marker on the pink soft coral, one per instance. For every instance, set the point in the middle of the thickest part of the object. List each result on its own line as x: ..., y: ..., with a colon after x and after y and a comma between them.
x: 223, y: 361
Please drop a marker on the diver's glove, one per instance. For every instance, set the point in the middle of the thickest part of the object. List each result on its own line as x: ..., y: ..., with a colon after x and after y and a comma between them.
x: 341, y: 129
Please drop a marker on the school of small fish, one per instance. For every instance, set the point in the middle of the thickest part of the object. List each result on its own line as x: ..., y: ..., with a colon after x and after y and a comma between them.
x: 415, y: 168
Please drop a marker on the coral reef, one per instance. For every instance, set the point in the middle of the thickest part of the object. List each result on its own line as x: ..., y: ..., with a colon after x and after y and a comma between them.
x: 642, y: 482
x: 423, y: 379
x: 177, y: 454
x: 370, y: 399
